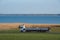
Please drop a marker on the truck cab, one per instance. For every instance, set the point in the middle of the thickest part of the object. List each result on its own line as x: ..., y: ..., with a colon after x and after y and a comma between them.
x: 22, y: 28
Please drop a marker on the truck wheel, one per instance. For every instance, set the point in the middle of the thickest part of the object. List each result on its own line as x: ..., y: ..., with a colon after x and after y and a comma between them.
x: 21, y: 31
x: 49, y: 31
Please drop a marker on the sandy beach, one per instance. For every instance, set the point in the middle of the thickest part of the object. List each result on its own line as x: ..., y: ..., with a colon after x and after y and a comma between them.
x: 9, y: 26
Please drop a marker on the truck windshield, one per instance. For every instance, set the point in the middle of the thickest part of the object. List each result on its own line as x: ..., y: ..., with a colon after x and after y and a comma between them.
x: 21, y: 27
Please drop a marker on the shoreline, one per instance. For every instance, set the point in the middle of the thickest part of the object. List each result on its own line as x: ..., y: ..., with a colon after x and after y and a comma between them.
x: 31, y: 23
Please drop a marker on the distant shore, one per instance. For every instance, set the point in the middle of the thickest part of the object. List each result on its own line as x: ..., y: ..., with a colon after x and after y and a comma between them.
x: 30, y: 14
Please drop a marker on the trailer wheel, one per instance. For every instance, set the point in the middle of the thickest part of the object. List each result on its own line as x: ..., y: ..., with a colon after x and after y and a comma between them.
x: 38, y: 30
x: 28, y: 30
x: 43, y: 30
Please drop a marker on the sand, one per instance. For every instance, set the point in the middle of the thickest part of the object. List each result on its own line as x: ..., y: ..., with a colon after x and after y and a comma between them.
x: 9, y: 26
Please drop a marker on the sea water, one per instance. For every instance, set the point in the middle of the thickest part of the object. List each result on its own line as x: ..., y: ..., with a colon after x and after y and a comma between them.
x: 30, y: 19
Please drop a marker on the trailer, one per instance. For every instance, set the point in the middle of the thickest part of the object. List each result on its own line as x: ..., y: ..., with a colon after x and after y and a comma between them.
x: 38, y: 29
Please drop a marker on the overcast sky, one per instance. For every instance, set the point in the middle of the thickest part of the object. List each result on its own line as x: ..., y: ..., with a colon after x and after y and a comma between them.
x: 29, y: 6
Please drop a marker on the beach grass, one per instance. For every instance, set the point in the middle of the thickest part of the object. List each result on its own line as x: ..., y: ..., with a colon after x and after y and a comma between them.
x: 55, y: 29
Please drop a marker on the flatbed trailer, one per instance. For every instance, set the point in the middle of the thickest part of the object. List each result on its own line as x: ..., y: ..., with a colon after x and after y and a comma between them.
x: 39, y: 29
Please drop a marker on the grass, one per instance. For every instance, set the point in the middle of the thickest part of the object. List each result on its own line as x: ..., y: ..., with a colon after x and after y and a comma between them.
x: 16, y: 35
x: 55, y: 29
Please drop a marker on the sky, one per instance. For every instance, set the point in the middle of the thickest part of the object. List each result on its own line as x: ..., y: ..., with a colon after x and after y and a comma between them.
x: 29, y: 6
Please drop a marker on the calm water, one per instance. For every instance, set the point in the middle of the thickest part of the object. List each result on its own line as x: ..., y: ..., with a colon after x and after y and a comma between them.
x: 30, y: 19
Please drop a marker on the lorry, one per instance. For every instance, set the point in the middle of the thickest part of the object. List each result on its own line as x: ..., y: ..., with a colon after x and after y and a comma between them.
x: 38, y: 29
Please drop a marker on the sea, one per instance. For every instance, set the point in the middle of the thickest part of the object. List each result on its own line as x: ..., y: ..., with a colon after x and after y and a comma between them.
x: 35, y: 19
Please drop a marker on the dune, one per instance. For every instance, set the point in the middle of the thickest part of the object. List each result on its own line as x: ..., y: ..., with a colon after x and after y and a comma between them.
x: 9, y: 26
